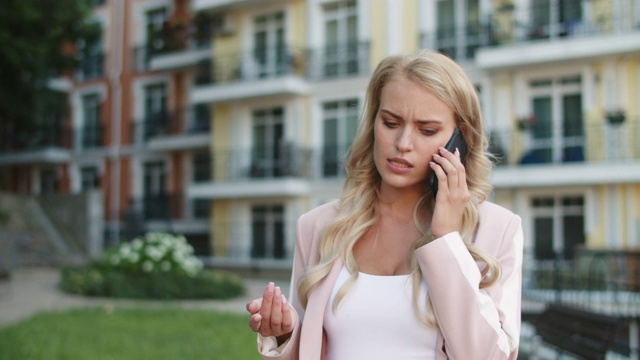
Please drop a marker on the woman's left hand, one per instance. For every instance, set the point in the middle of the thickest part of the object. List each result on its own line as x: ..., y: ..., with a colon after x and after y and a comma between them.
x: 453, y: 193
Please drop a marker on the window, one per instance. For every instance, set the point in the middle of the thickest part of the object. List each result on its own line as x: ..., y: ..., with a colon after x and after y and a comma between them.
x: 558, y: 226
x: 558, y: 133
x: 554, y: 18
x: 91, y: 130
x: 339, y: 128
x: 201, y: 167
x: 270, y: 51
x: 155, y: 200
x: 156, y: 119
x: 458, y: 40
x: 341, y: 53
x: 268, y: 232
x: 89, y: 178
x: 201, y: 208
x: 200, y: 118
x: 155, y: 20
x: 268, y: 158
x: 91, y: 56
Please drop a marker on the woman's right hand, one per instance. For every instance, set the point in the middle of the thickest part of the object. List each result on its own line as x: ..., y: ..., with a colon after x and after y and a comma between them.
x: 271, y: 315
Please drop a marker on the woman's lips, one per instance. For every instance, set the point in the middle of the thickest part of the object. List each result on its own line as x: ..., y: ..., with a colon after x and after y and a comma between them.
x: 399, y: 165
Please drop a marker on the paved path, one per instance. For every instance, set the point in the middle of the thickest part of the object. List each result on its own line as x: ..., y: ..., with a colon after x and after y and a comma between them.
x: 32, y: 290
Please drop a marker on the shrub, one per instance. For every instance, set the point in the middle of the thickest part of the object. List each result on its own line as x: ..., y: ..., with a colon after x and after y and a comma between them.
x: 155, y: 266
x: 154, y: 252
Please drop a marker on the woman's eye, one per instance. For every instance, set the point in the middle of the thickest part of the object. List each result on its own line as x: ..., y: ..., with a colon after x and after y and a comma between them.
x: 390, y: 124
x: 427, y: 131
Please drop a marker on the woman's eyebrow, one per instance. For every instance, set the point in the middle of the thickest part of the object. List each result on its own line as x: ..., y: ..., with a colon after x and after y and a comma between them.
x: 420, y: 122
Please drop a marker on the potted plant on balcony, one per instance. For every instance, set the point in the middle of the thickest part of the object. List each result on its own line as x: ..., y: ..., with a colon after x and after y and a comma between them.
x: 526, y: 122
x: 615, y: 117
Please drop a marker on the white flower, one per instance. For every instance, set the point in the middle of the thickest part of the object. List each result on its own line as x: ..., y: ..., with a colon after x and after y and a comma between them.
x: 137, y: 244
x: 114, y: 259
x: 165, y: 266
x: 134, y: 257
x: 147, y: 266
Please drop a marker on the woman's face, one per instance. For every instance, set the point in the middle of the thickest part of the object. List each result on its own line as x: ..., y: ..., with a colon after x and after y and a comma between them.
x: 410, y: 125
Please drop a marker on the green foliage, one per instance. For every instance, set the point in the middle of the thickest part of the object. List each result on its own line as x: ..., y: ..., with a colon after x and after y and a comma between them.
x: 32, y: 38
x: 154, y: 266
x: 5, y: 216
x: 128, y: 334
x: 108, y: 282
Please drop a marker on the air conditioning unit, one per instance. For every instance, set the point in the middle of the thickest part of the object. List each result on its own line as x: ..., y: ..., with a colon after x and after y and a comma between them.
x: 224, y: 25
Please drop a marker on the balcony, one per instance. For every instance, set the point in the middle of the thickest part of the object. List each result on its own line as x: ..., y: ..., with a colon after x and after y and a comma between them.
x: 338, y: 61
x: 459, y: 43
x: 601, y: 153
x: 90, y: 67
x: 177, y: 130
x: 40, y: 144
x: 519, y: 36
x: 89, y: 137
x: 286, y: 170
x: 182, y: 45
x: 250, y: 74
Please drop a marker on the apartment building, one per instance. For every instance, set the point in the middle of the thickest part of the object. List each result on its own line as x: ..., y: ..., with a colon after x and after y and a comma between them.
x: 224, y: 120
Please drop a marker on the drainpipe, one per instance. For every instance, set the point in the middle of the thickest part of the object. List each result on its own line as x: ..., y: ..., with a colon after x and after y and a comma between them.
x: 116, y: 117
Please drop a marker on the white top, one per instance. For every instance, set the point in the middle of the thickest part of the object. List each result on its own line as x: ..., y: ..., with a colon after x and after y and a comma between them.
x: 376, y: 320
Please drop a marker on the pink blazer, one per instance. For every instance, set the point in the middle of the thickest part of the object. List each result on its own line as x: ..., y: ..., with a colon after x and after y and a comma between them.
x: 474, y: 323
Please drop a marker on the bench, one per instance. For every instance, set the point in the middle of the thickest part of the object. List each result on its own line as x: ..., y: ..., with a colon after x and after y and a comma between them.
x: 578, y: 332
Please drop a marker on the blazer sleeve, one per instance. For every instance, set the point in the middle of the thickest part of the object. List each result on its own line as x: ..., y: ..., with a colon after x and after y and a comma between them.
x: 476, y: 323
x: 267, y: 346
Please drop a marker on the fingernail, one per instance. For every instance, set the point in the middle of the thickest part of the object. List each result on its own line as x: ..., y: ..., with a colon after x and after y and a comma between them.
x: 284, y: 299
x: 435, y: 156
x: 457, y: 151
x: 278, y: 291
x: 443, y: 149
x: 432, y: 163
x: 270, y: 287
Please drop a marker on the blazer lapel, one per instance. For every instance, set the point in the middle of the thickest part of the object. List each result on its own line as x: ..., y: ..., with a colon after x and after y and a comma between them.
x: 311, y: 332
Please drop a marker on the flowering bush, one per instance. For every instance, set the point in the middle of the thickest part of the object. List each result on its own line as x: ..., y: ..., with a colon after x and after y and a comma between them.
x: 156, y: 252
x: 154, y: 266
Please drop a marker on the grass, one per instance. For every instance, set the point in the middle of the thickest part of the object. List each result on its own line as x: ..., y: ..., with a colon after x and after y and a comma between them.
x: 131, y: 333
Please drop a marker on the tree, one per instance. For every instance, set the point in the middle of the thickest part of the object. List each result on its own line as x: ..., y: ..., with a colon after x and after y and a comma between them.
x: 37, y: 44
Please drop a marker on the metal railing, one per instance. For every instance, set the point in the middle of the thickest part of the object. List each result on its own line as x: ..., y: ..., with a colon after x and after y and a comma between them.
x: 34, y: 138
x: 193, y: 120
x: 91, y: 67
x: 596, y: 142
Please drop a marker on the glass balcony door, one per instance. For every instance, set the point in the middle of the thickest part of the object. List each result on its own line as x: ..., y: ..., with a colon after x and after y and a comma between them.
x: 155, y: 110
x: 558, y: 226
x: 558, y: 132
x: 269, y: 149
x: 339, y: 128
x: 341, y: 52
x: 269, y: 52
x: 268, y: 238
x: 155, y: 201
x: 459, y: 31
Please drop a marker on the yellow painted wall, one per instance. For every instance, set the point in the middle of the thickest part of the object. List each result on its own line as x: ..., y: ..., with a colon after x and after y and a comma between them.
x: 220, y: 144
x: 378, y: 32
x: 219, y: 238
x: 298, y: 11
x: 225, y: 47
x: 410, y: 36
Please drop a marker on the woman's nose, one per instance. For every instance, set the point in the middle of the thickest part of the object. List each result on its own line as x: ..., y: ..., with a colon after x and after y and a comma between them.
x: 404, y: 142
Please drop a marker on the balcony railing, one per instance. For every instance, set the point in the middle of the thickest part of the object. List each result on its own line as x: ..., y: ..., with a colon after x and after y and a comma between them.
x: 509, y: 25
x: 159, y: 206
x: 459, y: 43
x: 36, y: 138
x: 258, y: 63
x: 91, y: 67
x: 90, y: 136
x: 195, y: 120
x: 597, y: 142
x: 327, y: 62
x: 338, y: 60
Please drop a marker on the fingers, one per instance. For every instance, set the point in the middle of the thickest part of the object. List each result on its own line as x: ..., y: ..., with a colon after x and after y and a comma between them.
x: 452, y: 173
x: 271, y: 315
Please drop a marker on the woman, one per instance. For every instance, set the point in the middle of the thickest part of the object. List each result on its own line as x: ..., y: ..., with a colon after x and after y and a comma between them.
x: 390, y: 270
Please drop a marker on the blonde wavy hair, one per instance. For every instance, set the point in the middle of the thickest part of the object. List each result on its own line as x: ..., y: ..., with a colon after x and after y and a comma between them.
x: 358, y: 209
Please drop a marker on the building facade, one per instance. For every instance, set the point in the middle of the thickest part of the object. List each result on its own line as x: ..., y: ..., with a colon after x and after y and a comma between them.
x: 225, y: 120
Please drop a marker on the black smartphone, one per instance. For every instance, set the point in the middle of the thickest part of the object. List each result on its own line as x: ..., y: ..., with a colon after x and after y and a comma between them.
x: 456, y: 141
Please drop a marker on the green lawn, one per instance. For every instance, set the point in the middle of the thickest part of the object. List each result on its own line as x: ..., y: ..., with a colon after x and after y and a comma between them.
x: 138, y: 334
